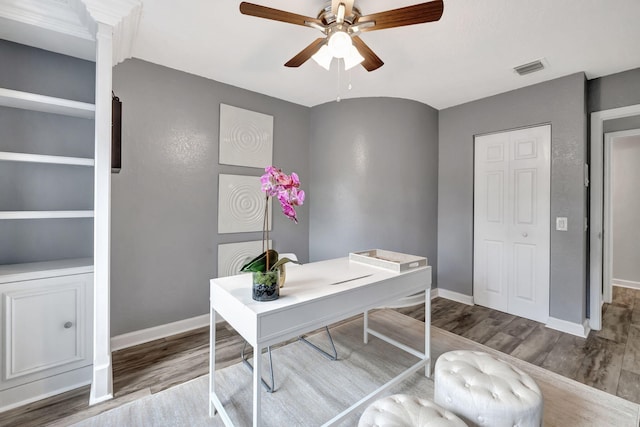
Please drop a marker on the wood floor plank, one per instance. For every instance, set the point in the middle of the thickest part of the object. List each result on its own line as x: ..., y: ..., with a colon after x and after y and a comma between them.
x: 631, y: 359
x: 484, y: 330
x: 470, y: 316
x: 635, y: 313
x: 521, y: 328
x: 623, y: 297
x: 537, y: 345
x: 503, y: 342
x: 615, y: 323
x: 566, y: 356
x: 602, y: 364
x: 629, y: 386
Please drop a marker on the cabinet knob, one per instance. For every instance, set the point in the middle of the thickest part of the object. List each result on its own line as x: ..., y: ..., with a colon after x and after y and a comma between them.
x: 68, y: 325
x: 524, y: 234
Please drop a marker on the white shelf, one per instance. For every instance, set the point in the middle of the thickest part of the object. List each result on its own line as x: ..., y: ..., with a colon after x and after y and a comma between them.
x: 41, y: 158
x: 46, y: 104
x: 41, y: 270
x: 44, y: 214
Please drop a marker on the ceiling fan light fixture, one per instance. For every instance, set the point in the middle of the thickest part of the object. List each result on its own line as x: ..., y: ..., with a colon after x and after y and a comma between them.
x: 323, y: 57
x: 353, y: 58
x: 339, y: 44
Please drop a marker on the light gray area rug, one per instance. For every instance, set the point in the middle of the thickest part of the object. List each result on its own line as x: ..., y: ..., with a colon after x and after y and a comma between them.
x: 310, y: 389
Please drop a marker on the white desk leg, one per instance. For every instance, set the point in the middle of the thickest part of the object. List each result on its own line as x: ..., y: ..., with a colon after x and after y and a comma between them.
x: 427, y: 330
x: 257, y: 384
x: 212, y: 359
x: 366, y: 327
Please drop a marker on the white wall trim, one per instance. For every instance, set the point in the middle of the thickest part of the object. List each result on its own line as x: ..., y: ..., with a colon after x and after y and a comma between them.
x: 596, y: 206
x: 24, y: 394
x: 157, y: 332
x: 607, y: 243
x: 455, y: 296
x: 625, y: 283
x: 580, y: 330
x: 124, y: 17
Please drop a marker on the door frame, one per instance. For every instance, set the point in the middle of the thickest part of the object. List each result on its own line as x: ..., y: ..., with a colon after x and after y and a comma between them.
x: 607, y: 241
x: 596, y: 208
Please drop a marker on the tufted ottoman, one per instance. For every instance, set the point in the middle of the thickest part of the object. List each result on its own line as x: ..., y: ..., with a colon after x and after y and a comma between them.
x: 402, y: 410
x: 484, y: 391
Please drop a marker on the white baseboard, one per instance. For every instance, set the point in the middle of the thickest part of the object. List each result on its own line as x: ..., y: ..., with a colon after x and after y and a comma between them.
x: 580, y: 330
x: 157, y: 332
x: 46, y: 387
x: 625, y: 283
x: 454, y: 296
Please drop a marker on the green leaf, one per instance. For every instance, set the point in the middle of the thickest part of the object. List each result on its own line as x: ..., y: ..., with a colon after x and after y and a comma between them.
x: 282, y: 261
x: 259, y: 263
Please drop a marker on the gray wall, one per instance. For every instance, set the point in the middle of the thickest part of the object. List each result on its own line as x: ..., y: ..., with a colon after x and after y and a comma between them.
x: 165, y: 200
x: 560, y: 102
x: 30, y: 186
x: 613, y: 91
x: 625, y: 205
x: 374, y: 166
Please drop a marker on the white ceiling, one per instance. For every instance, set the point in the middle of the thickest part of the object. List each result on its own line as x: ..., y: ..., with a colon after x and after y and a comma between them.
x: 469, y: 54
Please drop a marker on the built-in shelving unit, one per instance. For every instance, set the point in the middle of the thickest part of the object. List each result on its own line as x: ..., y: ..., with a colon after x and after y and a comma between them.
x: 47, y: 309
x: 46, y: 104
x: 35, y: 102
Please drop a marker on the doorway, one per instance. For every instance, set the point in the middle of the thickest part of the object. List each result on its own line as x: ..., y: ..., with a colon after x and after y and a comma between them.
x: 512, y: 182
x: 621, y: 224
x: 596, y: 207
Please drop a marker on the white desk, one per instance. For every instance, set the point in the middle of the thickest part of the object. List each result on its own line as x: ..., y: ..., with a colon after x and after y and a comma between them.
x: 314, y: 295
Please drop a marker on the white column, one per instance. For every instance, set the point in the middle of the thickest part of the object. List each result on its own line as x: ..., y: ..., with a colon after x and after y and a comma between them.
x: 102, y: 384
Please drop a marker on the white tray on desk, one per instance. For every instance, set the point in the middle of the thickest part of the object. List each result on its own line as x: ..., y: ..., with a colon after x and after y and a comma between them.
x: 394, y: 261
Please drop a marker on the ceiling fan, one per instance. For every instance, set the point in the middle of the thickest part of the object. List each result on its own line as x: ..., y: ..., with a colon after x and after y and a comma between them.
x: 341, y: 23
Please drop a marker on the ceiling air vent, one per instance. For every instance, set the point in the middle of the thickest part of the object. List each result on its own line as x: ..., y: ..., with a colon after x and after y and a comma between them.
x: 529, y: 68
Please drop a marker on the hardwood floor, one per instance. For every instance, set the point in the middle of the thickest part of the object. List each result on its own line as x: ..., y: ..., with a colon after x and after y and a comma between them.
x: 608, y: 359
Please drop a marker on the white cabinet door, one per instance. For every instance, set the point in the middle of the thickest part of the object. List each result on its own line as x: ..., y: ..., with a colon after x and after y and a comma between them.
x: 46, y: 327
x: 512, y: 222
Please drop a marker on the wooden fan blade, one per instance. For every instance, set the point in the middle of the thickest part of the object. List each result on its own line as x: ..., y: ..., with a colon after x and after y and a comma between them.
x: 305, y: 53
x: 410, y: 15
x: 348, y: 5
x: 275, y: 14
x: 371, y: 60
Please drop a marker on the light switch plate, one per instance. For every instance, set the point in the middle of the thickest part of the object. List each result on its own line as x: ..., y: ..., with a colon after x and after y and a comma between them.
x: 561, y: 223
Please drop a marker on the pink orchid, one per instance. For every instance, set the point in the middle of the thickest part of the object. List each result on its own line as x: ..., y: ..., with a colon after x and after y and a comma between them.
x: 276, y: 183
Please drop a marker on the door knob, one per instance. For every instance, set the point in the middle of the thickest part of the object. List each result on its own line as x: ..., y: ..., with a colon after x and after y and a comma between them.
x: 524, y: 234
x: 67, y: 325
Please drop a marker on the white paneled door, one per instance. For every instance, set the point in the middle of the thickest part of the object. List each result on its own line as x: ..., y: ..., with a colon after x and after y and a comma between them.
x: 512, y: 222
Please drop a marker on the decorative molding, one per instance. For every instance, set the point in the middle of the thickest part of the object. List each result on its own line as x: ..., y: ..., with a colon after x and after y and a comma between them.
x: 455, y: 296
x: 577, y: 329
x: 124, y: 17
x: 142, y: 336
x: 625, y: 283
x: 59, y: 16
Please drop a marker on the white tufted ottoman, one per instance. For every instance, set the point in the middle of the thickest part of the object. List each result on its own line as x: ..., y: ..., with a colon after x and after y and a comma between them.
x: 485, y: 391
x: 402, y: 410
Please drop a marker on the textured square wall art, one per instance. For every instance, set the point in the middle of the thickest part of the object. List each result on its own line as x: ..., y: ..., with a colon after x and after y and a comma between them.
x: 246, y: 137
x: 240, y: 204
x: 232, y: 256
